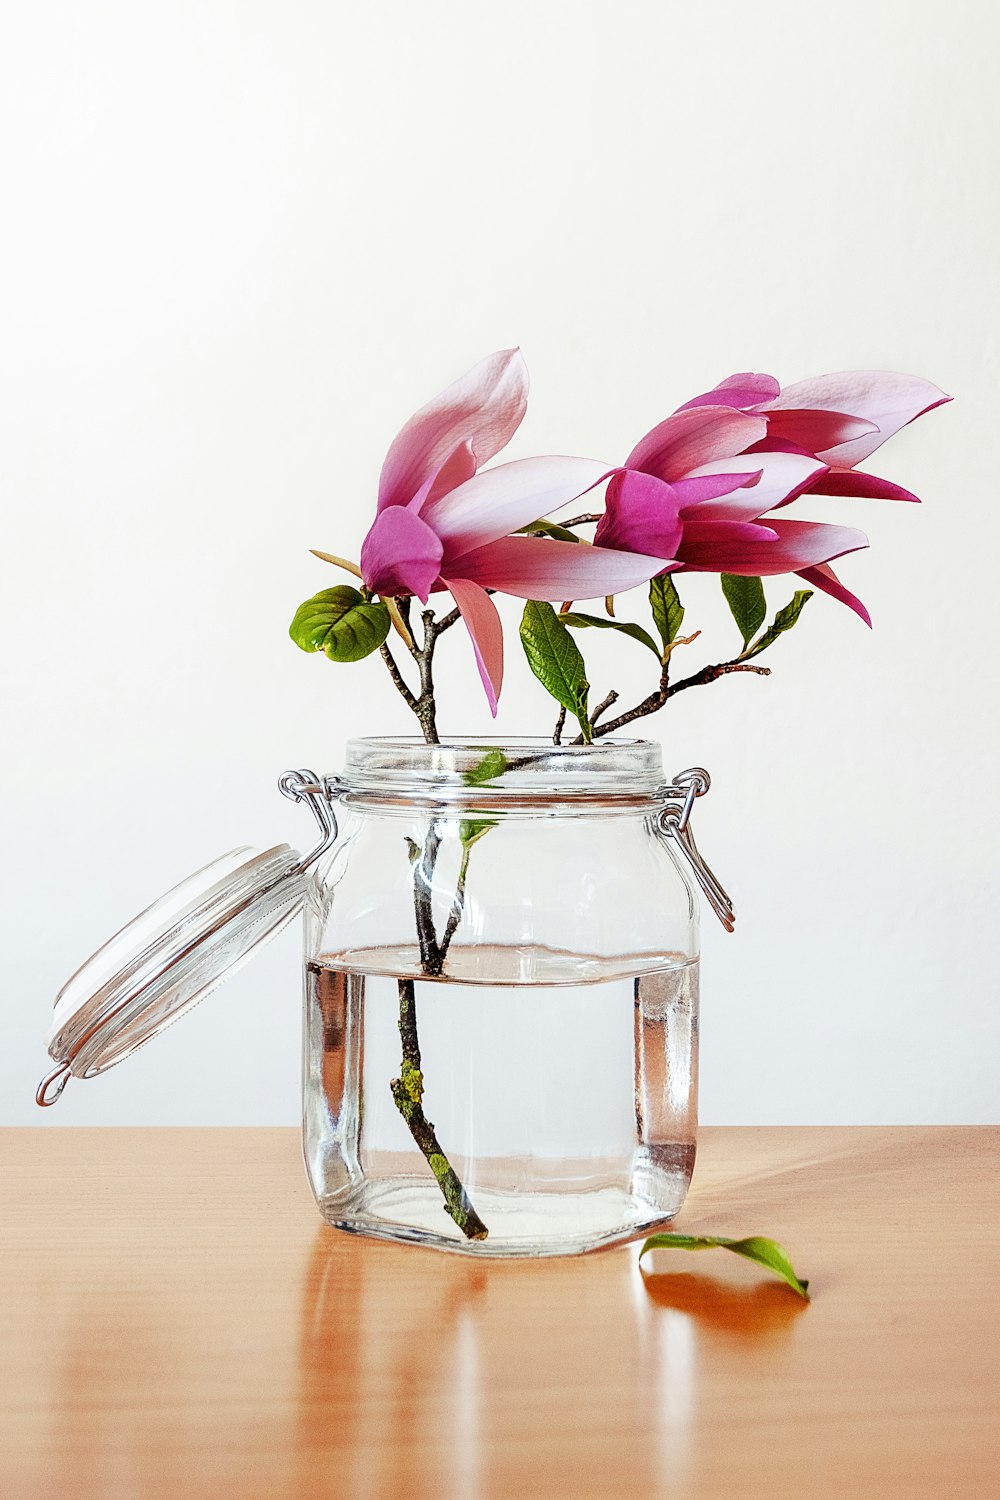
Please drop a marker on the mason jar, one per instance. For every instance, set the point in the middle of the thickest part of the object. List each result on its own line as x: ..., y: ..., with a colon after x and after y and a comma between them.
x: 501, y: 998
x: 500, y: 980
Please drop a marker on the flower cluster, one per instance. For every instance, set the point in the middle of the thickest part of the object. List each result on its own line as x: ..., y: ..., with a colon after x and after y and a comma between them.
x: 701, y: 492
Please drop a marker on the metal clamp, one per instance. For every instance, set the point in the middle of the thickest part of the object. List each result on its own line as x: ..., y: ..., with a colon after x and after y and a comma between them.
x: 674, y: 819
x: 320, y: 792
x: 59, y: 1077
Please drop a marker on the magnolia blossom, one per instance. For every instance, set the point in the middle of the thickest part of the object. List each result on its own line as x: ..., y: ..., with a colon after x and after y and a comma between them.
x: 699, y: 488
x: 445, y: 523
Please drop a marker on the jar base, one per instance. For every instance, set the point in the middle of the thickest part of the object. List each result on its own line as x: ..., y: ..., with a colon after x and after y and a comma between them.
x: 521, y: 1224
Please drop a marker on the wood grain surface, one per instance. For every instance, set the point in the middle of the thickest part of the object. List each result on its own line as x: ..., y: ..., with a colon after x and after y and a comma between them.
x: 177, y: 1323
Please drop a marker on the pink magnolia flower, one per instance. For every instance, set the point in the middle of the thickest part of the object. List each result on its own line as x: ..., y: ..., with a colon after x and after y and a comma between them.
x: 443, y: 523
x: 699, y: 487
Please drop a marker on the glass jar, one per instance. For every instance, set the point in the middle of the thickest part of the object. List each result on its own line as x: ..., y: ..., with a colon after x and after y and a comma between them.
x: 501, y: 988
x: 501, y: 998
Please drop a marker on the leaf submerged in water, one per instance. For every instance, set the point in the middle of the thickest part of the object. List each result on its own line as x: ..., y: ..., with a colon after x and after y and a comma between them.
x: 492, y: 765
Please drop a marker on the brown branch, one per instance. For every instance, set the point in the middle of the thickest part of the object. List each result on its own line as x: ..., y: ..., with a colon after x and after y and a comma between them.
x: 655, y: 701
x: 423, y: 895
x: 448, y: 620
x: 585, y: 520
x: 601, y: 708
x: 397, y: 677
x: 560, y: 726
x: 457, y: 907
x: 407, y: 1090
x: 710, y: 674
x: 408, y: 1093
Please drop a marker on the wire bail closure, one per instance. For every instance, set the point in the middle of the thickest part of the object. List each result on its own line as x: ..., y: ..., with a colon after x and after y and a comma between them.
x: 52, y: 1085
x: 674, y: 821
x: 320, y: 792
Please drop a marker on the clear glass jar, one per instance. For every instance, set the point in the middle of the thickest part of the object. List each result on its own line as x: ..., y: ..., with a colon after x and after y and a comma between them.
x: 501, y: 998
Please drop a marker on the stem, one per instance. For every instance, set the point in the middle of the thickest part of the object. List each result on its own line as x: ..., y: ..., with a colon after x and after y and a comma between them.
x: 424, y: 658
x: 423, y: 876
x: 655, y: 701
x: 408, y: 1092
x: 457, y: 907
x: 560, y: 726
x: 421, y: 704
x: 602, y: 708
x: 450, y: 619
x: 408, y: 1089
x: 397, y: 677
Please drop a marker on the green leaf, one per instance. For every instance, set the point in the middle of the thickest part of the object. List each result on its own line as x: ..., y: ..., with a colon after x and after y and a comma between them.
x: 783, y: 620
x: 470, y: 830
x: 765, y: 1252
x: 555, y: 659
x: 548, y: 528
x: 492, y: 765
x: 341, y: 622
x: 668, y: 611
x: 745, y: 597
x: 579, y: 621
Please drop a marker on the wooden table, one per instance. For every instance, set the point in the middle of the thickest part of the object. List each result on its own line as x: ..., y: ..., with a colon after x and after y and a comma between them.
x: 176, y: 1323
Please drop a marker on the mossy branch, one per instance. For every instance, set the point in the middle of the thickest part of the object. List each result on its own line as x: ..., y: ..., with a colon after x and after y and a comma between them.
x: 408, y: 1093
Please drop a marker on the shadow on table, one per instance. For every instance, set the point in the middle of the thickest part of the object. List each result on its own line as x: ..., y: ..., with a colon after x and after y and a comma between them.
x: 764, y: 1310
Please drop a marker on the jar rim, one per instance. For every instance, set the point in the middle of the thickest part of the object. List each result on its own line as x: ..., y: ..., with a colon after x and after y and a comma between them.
x: 498, y: 765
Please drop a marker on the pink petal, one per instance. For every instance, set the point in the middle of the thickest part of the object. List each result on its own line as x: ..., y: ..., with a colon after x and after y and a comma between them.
x: 483, y: 408
x: 400, y: 554
x: 777, y: 445
x: 690, y: 438
x: 712, y: 482
x: 641, y: 515
x: 782, y: 478
x: 822, y: 577
x: 456, y: 469
x: 540, y: 568
x: 738, y: 390
x: 483, y: 624
x: 459, y: 466
x: 497, y: 501
x: 856, y: 482
x: 816, y: 431
x: 724, y: 535
x: 884, y: 397
x: 797, y: 545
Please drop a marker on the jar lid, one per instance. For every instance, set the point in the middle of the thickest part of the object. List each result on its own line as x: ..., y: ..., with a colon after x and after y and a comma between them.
x: 175, y: 952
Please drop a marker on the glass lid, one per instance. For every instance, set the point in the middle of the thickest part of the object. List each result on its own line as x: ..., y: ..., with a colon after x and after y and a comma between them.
x: 172, y: 954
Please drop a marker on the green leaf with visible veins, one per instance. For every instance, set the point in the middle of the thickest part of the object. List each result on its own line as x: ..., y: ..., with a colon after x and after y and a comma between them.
x: 668, y: 611
x: 765, y: 1252
x: 579, y: 621
x: 555, y: 659
x: 745, y: 597
x: 470, y: 830
x: 548, y: 528
x: 492, y: 765
x: 342, y: 623
x: 783, y: 620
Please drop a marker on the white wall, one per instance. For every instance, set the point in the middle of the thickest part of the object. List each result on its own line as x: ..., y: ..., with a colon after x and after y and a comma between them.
x: 242, y: 241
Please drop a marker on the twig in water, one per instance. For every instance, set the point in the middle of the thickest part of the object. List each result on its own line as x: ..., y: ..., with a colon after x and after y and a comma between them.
x: 408, y: 1092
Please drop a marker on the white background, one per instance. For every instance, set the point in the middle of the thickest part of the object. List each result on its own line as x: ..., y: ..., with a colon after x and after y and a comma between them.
x: 243, y: 241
